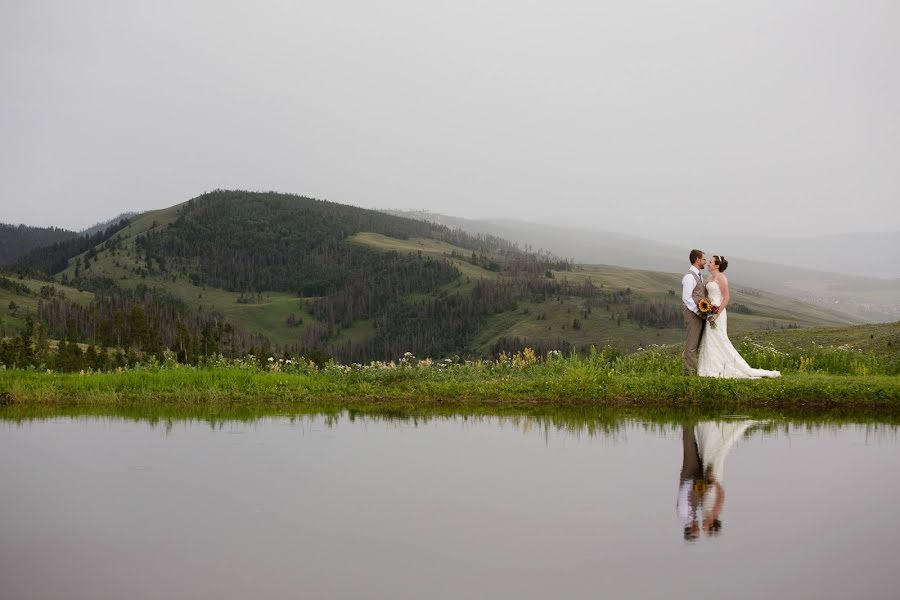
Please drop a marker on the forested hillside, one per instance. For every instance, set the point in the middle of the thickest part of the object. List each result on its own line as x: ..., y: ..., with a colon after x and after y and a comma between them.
x: 18, y: 240
x: 53, y: 258
x: 248, y: 250
x: 242, y: 241
x: 238, y: 272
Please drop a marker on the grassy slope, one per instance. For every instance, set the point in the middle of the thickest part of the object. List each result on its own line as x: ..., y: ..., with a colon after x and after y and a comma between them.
x: 27, y: 304
x: 427, y: 247
x: 878, y: 340
x: 269, y: 316
x: 603, y: 328
x: 769, y: 310
x: 765, y: 306
x: 433, y: 248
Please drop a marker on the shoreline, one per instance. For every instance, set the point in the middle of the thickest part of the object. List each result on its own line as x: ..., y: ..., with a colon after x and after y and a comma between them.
x: 210, y: 388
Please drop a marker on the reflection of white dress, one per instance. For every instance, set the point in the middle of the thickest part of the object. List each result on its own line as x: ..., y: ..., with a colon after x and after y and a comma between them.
x: 714, y: 442
x: 718, y: 357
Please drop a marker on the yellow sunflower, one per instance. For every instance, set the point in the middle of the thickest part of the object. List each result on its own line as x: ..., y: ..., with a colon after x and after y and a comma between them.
x: 704, y: 306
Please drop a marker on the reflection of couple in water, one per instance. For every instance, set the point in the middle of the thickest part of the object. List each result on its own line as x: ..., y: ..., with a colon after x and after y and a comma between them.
x: 700, y: 493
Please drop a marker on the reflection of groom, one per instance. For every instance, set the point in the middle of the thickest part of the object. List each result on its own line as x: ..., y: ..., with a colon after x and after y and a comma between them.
x: 692, y: 291
x: 694, y: 484
x: 691, y: 472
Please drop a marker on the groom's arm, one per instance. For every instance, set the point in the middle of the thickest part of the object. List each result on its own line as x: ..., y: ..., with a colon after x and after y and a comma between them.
x: 687, y: 293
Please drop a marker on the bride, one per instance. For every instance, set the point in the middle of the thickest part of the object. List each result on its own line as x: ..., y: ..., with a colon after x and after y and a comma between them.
x: 718, y: 357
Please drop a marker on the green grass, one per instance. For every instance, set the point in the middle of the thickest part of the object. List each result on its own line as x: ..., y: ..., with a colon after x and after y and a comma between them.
x: 601, y: 328
x: 427, y: 247
x: 880, y: 340
x: 878, y: 394
x: 826, y: 382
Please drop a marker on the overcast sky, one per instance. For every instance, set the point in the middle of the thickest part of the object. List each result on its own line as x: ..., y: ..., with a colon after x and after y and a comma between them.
x: 774, y: 117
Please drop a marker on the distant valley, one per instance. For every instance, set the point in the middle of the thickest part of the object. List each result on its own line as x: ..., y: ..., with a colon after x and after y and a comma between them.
x: 863, y: 296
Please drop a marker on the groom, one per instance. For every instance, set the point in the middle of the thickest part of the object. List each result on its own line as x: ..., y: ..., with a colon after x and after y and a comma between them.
x: 693, y: 289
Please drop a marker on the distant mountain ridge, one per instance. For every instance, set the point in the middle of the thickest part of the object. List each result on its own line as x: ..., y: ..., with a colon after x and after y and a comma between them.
x: 104, y: 225
x: 18, y: 240
x: 874, y: 299
x: 869, y: 255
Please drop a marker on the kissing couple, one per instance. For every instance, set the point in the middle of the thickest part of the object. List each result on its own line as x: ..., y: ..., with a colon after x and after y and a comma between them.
x: 707, y: 350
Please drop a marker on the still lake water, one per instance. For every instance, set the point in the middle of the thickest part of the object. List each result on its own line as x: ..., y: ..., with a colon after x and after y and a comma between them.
x: 447, y: 507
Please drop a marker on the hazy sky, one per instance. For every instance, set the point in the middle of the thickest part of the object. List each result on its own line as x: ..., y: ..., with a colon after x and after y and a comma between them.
x: 772, y: 117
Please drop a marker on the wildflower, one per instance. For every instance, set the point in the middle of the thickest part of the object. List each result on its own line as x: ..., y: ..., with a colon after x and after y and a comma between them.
x: 529, y: 356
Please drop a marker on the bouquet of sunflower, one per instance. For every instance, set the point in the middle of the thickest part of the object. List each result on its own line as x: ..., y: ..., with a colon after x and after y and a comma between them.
x: 707, y: 310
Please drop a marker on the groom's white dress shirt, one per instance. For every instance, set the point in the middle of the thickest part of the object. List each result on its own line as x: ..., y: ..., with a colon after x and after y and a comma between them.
x: 683, y: 505
x: 688, y: 283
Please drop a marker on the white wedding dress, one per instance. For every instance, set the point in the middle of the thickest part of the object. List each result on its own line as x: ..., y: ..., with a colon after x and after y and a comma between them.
x: 718, y: 357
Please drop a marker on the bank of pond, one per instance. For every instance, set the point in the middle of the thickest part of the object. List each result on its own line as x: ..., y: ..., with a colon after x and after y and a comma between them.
x: 821, y: 379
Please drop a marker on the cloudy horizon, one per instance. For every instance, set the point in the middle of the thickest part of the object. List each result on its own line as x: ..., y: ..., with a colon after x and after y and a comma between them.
x: 775, y: 118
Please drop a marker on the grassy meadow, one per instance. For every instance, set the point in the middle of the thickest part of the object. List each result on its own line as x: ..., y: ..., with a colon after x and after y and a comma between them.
x: 817, y: 378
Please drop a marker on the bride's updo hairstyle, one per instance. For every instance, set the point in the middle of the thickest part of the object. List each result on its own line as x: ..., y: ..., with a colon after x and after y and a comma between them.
x: 721, y: 262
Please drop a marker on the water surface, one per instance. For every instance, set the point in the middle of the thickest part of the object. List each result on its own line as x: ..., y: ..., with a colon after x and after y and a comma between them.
x: 328, y: 506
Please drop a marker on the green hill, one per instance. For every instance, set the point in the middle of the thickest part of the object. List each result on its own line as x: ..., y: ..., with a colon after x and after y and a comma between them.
x: 18, y: 240
x: 19, y: 298
x: 237, y: 271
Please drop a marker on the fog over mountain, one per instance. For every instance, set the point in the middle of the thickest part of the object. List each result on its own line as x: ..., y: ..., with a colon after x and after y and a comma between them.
x: 861, y: 294
x: 766, y: 118
x: 862, y: 254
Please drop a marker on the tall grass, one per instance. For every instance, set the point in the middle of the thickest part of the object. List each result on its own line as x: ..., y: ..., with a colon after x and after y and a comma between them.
x: 840, y: 360
x: 574, y: 384
x: 594, y: 364
x: 835, y: 378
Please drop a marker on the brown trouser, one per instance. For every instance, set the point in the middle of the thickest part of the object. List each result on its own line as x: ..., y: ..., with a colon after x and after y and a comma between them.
x: 694, y: 331
x: 691, y: 467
